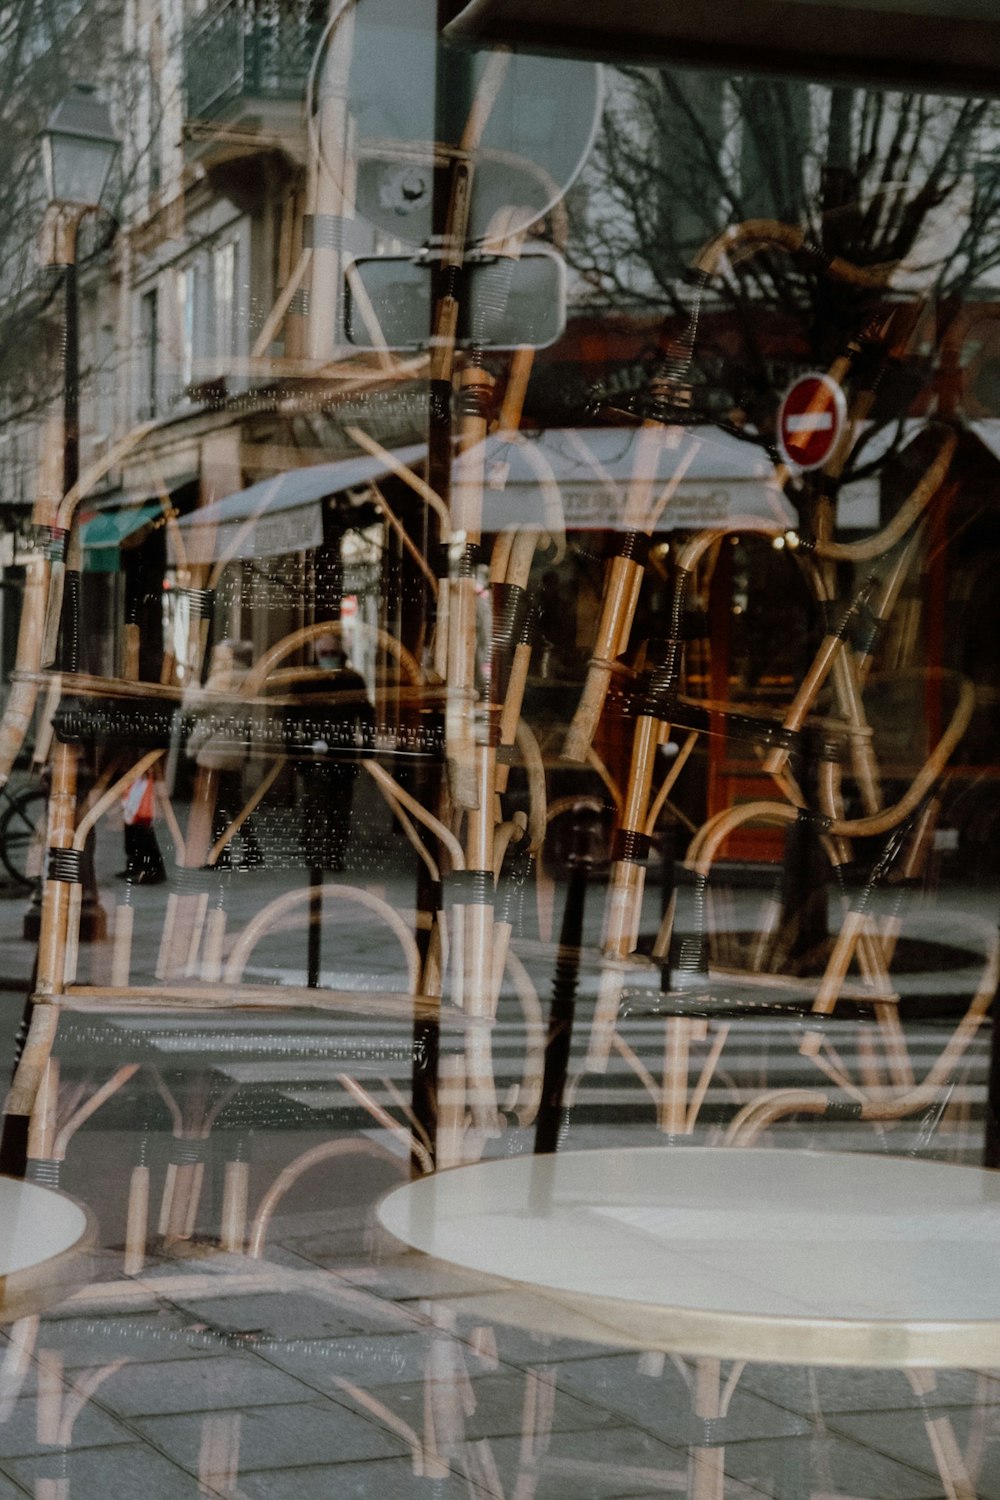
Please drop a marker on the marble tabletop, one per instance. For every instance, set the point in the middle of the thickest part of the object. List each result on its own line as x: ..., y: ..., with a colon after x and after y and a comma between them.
x: 798, y: 1256
x: 43, y: 1239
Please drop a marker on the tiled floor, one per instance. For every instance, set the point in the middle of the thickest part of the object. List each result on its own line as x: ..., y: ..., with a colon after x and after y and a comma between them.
x: 335, y: 1368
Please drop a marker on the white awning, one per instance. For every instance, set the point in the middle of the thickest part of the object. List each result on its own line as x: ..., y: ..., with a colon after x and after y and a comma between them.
x: 278, y: 515
x: 701, y: 477
x: 578, y: 478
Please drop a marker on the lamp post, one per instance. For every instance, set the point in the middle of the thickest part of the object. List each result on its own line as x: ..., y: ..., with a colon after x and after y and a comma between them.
x: 78, y: 148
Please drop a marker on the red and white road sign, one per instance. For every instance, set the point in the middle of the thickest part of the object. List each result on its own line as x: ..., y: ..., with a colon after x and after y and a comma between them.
x: 810, y: 421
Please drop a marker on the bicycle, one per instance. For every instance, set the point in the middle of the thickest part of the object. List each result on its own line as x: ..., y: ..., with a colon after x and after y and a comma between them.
x: 22, y: 833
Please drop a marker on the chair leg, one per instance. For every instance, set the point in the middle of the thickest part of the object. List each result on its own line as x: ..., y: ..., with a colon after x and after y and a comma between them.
x: 219, y: 1456
x: 42, y: 1149
x: 235, y: 1197
x: 137, y: 1222
x: 706, y: 1465
x: 17, y: 1360
x: 941, y: 1436
x: 22, y: 1099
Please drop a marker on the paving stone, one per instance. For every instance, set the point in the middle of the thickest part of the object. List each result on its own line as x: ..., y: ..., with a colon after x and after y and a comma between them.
x: 790, y: 1468
x: 372, y: 1360
x: 987, y: 1479
x: 860, y: 1390
x: 278, y: 1253
x: 362, y: 1312
x: 92, y: 1427
x: 113, y: 1472
x: 600, y: 1464
x: 396, y: 1480
x: 154, y: 1336
x: 900, y: 1435
x: 343, y: 1236
x: 661, y: 1402
x: 334, y: 1307
x: 279, y: 1437
x: 388, y: 1480
x: 499, y: 1408
x: 409, y: 1275
x: 198, y: 1385
x: 298, y: 1285
x: 271, y: 1316
x: 523, y: 1347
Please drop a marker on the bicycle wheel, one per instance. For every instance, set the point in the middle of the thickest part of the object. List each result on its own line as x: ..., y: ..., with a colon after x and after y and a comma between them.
x: 22, y: 836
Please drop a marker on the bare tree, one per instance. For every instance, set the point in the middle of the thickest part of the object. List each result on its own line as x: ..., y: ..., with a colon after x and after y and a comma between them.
x: 45, y: 46
x: 881, y: 179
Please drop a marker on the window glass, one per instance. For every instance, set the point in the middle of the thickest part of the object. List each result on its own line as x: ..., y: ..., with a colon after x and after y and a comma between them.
x: 499, y: 703
x: 149, y: 354
x: 224, y: 267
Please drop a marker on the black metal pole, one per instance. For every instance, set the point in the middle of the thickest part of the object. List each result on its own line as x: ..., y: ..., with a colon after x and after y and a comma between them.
x: 93, y: 923
x: 69, y: 643
x: 426, y: 1039
x: 315, y: 928
x: 562, y: 1012
x: 71, y: 379
x: 426, y: 1036
x: 991, y: 1143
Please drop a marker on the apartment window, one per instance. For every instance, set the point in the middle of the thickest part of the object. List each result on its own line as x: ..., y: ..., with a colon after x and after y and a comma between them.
x: 157, y: 60
x: 207, y: 314
x: 149, y: 351
x: 186, y: 297
x: 224, y: 266
x: 776, y: 143
x: 155, y: 136
x: 690, y: 141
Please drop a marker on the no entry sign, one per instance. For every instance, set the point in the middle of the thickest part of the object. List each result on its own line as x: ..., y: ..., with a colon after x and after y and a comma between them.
x: 810, y: 421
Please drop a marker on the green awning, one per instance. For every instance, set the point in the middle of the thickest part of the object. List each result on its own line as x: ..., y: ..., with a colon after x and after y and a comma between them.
x: 102, y: 536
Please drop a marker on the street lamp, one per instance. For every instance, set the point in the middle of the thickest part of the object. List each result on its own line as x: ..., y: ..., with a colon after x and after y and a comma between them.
x: 78, y: 147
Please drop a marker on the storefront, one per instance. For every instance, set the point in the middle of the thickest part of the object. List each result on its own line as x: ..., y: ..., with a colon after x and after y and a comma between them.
x: 509, y: 988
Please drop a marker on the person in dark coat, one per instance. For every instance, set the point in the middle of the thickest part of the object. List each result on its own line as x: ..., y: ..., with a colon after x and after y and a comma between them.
x: 218, y: 742
x: 326, y: 730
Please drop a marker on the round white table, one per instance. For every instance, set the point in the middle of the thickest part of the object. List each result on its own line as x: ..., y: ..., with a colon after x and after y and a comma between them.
x: 789, y: 1256
x: 44, y: 1237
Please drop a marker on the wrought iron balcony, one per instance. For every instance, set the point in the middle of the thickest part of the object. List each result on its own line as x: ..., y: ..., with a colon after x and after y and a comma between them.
x: 238, y: 50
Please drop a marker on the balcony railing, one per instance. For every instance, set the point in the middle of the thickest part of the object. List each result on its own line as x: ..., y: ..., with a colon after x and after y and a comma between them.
x: 237, y: 49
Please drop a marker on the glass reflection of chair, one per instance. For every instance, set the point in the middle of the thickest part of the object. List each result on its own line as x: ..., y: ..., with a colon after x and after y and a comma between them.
x: 202, y: 964
x: 194, y: 970
x: 34, y: 1358
x: 845, y: 657
x: 844, y: 661
x: 888, y: 1090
